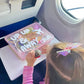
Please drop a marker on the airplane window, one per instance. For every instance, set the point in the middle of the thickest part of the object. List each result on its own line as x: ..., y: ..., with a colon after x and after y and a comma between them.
x: 74, y: 8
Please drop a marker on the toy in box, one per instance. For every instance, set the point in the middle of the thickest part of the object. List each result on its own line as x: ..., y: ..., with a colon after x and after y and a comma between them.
x: 28, y: 38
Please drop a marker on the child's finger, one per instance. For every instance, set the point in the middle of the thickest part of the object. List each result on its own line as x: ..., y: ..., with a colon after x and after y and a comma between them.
x: 29, y: 54
x: 33, y: 53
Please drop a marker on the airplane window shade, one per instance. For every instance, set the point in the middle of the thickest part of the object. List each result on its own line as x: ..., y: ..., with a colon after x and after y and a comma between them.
x: 75, y: 8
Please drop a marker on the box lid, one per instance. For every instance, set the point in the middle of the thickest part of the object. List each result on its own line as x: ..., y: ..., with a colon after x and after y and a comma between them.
x: 28, y: 38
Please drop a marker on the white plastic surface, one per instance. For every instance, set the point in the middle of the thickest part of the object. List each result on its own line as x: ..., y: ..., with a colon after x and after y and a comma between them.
x: 4, y: 8
x: 14, y: 13
x: 4, y: 1
x: 13, y: 65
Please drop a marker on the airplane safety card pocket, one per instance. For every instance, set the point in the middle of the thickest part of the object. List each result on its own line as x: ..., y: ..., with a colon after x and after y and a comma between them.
x: 31, y: 37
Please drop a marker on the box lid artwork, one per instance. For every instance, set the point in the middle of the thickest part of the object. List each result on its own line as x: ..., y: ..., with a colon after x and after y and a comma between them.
x: 28, y: 38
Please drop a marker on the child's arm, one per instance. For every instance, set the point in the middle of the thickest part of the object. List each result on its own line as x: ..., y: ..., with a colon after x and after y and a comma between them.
x: 28, y: 75
x: 28, y: 70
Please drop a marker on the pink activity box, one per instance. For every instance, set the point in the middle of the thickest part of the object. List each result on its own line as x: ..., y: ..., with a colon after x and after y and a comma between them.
x: 28, y: 38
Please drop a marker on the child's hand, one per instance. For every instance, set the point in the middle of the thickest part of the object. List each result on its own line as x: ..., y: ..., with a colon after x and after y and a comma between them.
x: 31, y: 58
x: 44, y: 49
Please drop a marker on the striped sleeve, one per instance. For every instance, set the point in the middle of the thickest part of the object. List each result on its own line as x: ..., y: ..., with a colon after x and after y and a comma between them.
x: 28, y: 75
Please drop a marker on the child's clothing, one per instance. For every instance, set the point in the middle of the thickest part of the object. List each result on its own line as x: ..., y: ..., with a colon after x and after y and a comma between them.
x: 28, y: 75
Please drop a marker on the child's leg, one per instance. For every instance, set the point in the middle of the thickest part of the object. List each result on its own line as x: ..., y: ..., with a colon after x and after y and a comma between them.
x: 39, y: 72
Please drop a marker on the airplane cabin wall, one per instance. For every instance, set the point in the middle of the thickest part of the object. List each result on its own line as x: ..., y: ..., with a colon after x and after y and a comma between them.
x: 62, y: 30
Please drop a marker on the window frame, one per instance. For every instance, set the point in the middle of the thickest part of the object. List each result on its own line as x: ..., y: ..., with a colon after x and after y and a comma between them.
x: 66, y: 16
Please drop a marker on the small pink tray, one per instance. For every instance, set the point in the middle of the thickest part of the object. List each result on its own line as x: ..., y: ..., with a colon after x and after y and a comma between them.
x: 28, y: 38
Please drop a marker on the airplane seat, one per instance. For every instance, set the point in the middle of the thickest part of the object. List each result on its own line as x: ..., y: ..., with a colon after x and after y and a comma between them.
x: 12, y: 11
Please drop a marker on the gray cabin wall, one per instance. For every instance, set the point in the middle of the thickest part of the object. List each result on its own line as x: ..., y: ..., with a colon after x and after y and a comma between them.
x: 62, y: 30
